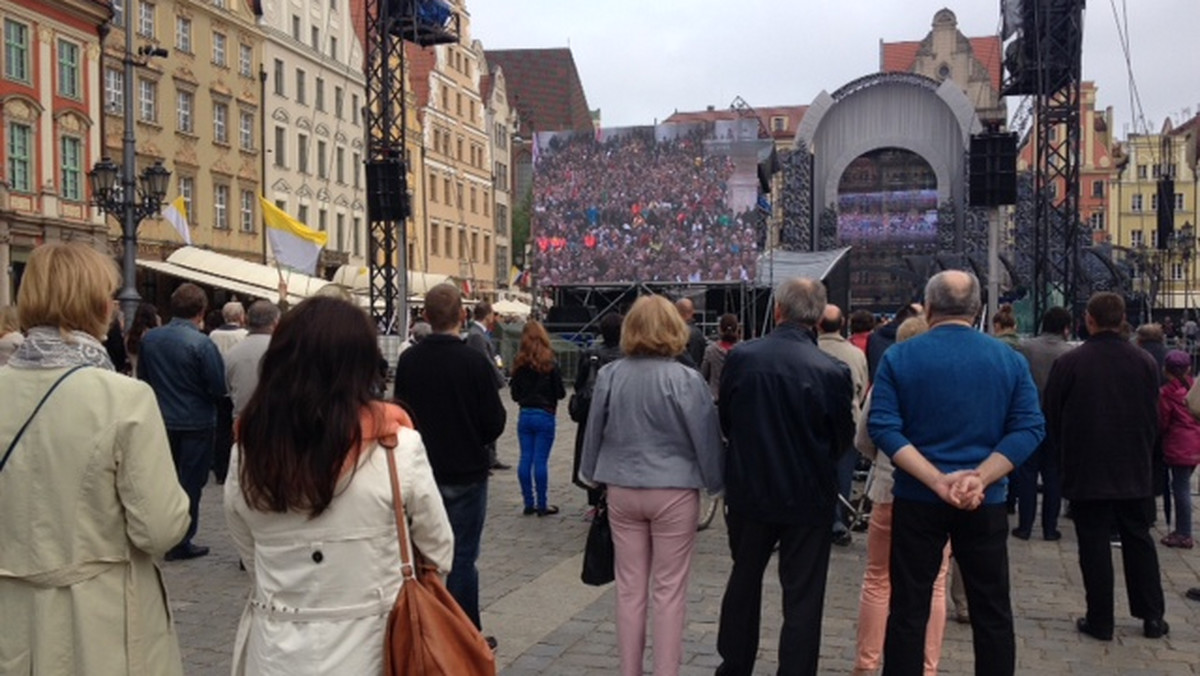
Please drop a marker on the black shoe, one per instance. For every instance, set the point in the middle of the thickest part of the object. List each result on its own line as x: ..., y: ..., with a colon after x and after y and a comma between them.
x: 1020, y: 534
x: 529, y: 510
x: 185, y: 552
x: 842, y: 539
x: 1084, y: 628
x: 491, y: 642
x: 1052, y: 536
x: 500, y: 465
x: 1155, y: 628
x: 547, y: 511
x: 1193, y: 593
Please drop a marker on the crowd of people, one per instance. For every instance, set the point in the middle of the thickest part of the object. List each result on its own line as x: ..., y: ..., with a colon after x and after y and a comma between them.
x: 636, y: 208
x: 102, y: 472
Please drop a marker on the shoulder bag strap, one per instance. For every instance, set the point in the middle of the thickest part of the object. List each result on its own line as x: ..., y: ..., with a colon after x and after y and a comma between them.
x: 406, y: 566
x: 20, y: 432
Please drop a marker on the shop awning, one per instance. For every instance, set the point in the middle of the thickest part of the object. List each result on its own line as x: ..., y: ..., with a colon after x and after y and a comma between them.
x: 234, y: 274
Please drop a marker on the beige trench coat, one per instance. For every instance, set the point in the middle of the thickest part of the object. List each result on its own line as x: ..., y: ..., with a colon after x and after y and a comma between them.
x: 88, y: 500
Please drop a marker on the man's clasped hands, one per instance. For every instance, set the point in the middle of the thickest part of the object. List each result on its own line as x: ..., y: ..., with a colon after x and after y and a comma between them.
x: 963, y: 489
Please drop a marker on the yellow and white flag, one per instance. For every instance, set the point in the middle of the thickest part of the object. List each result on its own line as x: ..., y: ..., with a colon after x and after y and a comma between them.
x: 176, y: 215
x: 296, y: 246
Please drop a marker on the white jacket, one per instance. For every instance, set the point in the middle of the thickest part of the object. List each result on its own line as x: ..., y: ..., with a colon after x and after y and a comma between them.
x: 322, y: 588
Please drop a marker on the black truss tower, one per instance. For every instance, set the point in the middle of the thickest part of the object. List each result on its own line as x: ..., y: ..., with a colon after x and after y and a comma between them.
x: 389, y: 24
x: 1052, y: 73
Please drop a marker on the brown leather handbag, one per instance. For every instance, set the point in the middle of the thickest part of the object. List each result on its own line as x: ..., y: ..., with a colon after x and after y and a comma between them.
x: 428, y: 634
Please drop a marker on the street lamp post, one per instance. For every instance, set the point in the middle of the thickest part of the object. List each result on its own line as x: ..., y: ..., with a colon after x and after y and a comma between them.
x: 133, y: 203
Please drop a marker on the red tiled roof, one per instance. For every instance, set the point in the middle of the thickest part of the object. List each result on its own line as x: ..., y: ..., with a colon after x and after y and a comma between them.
x: 765, y: 114
x: 421, y: 62
x: 900, y: 57
x: 358, y: 17
x: 544, y: 87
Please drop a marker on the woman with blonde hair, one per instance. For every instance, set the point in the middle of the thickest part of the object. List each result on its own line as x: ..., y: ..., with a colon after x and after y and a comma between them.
x: 877, y: 583
x: 309, y: 503
x: 654, y: 441
x: 88, y: 494
x: 536, y: 386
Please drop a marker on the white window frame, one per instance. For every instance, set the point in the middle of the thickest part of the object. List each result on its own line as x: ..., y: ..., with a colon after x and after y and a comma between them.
x: 220, y: 122
x: 145, y: 27
x: 185, y: 111
x: 218, y: 49
x: 246, y: 130
x: 183, y: 34
x: 220, y: 206
x: 147, y: 100
x: 247, y: 211
x: 114, y: 91
x: 245, y: 60
x: 187, y: 189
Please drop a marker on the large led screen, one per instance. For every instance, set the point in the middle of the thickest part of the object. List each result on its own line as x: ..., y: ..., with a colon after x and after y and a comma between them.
x: 671, y: 203
x: 888, y: 196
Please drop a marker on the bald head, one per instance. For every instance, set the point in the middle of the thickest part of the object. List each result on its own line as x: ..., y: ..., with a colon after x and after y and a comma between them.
x: 685, y: 308
x: 952, y: 295
x: 831, y: 319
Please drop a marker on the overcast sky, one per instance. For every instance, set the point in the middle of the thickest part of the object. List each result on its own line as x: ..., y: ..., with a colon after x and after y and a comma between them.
x: 640, y: 60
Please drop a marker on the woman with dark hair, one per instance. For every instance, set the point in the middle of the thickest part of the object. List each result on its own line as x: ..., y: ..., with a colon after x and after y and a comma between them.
x: 536, y: 386
x: 309, y: 502
x: 728, y: 333
x: 145, y: 318
x: 590, y: 363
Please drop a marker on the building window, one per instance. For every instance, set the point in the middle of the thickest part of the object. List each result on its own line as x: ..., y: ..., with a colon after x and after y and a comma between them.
x: 433, y: 189
x: 302, y: 153
x: 183, y: 34
x: 118, y: 8
x: 1097, y: 188
x: 322, y: 220
x: 221, y: 207
x: 72, y: 168
x: 220, y: 123
x: 296, y: 28
x: 16, y: 51
x: 245, y: 60
x: 340, y: 165
x: 218, y: 53
x: 356, y: 169
x: 114, y: 91
x: 302, y: 215
x: 460, y: 147
x: 474, y: 247
x: 333, y: 48
x: 280, y: 89
x: 68, y: 69
x: 219, y: 4
x: 316, y: 39
x: 460, y: 195
x: 147, y: 100
x: 1179, y: 201
x: 187, y: 187
x: 458, y: 104
x: 321, y: 168
x: 502, y: 261
x: 300, y: 94
x: 474, y: 200
x: 321, y: 94
x: 1097, y: 220
x: 1136, y: 239
x: 446, y: 195
x: 246, y: 130
x: 339, y: 101
x: 19, y: 165
x: 447, y: 241
x: 339, y: 226
x: 247, y: 211
x: 357, y: 225
x: 1141, y: 171
x: 185, y: 104
x: 487, y: 249
x: 502, y: 220
x: 354, y: 110
x: 146, y: 19
x: 487, y: 201
x: 1156, y: 171
x: 1177, y: 271
x: 280, y: 147
x: 1135, y: 203
x: 462, y: 244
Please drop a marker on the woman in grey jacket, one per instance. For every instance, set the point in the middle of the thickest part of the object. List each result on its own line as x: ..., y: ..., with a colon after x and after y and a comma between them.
x: 654, y: 440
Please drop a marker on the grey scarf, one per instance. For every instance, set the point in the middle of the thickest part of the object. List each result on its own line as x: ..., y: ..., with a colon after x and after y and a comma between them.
x: 46, y: 347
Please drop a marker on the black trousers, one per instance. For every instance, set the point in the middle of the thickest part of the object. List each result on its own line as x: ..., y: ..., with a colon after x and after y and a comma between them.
x: 803, y: 567
x: 192, y: 451
x: 223, y: 443
x: 1095, y: 521
x: 980, y: 542
x: 1044, y: 461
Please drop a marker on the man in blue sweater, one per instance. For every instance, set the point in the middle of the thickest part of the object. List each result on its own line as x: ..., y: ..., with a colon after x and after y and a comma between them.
x: 955, y: 410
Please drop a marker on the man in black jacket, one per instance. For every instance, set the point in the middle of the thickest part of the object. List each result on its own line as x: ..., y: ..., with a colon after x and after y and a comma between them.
x: 456, y: 407
x: 696, y: 343
x: 1101, y: 405
x: 786, y: 408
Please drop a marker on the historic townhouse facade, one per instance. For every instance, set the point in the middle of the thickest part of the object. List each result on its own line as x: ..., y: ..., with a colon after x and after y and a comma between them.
x: 501, y: 122
x: 315, y: 93
x: 457, y: 237
x: 49, y: 127
x: 198, y: 111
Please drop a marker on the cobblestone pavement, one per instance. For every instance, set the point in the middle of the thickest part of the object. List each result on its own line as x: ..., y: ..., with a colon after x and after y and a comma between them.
x: 547, y: 622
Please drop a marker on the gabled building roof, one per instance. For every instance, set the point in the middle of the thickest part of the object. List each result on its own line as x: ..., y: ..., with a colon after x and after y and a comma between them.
x: 544, y: 87
x: 421, y: 62
x: 768, y: 115
x: 900, y: 57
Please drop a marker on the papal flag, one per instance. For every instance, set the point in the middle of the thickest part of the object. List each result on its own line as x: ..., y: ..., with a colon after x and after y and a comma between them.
x: 176, y: 215
x: 296, y: 246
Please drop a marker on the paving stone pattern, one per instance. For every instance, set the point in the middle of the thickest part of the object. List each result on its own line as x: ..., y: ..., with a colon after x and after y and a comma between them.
x: 547, y: 622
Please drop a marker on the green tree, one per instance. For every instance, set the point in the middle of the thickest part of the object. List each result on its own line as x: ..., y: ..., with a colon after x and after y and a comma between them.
x: 522, y: 216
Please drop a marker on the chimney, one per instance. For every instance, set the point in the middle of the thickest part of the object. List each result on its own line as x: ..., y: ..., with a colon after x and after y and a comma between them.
x: 711, y: 108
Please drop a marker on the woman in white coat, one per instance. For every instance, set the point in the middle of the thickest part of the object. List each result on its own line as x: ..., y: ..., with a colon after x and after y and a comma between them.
x: 88, y: 494
x: 309, y: 502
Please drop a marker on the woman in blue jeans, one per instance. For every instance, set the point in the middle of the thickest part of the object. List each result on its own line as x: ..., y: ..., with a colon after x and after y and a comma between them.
x: 537, y: 387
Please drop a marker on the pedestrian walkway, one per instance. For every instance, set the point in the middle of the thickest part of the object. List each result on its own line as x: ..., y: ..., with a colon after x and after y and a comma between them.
x: 547, y: 622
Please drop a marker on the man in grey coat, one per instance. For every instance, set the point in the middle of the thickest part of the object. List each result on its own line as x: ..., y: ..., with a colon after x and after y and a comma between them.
x: 479, y: 337
x: 833, y: 343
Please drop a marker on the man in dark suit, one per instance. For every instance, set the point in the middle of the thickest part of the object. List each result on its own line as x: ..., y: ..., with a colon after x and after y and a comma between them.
x: 1101, y: 403
x: 787, y: 409
x: 456, y: 407
x: 479, y: 336
x: 696, y: 343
